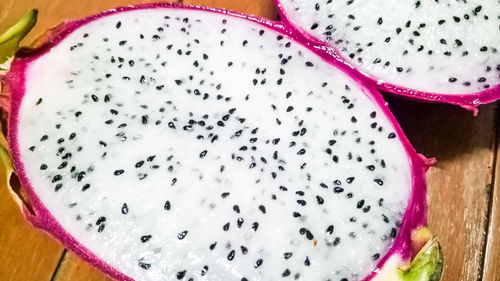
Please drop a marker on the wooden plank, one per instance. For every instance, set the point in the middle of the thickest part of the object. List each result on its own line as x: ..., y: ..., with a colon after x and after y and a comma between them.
x: 262, y: 8
x: 459, y: 184
x: 72, y: 268
x: 492, y: 255
x: 26, y: 253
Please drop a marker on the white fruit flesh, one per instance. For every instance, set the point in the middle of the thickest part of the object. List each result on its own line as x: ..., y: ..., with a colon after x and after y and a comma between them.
x: 447, y: 47
x: 114, y: 100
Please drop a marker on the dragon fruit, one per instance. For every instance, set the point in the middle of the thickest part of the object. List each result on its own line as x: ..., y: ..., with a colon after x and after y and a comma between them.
x: 169, y: 142
x: 433, y: 50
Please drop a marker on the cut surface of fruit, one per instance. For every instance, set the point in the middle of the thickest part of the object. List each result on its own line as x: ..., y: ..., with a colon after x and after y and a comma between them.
x: 436, y: 50
x: 149, y: 145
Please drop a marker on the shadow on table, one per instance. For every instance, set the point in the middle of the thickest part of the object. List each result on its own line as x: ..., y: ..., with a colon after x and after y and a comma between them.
x: 443, y: 131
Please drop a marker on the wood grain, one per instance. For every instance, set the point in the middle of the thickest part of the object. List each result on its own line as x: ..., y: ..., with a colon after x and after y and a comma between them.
x: 25, y: 253
x: 262, y: 8
x: 464, y: 201
x: 72, y: 268
x: 459, y: 184
x: 492, y: 255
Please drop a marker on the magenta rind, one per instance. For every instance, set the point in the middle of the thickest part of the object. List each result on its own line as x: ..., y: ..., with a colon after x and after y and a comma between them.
x: 414, y: 217
x: 468, y: 101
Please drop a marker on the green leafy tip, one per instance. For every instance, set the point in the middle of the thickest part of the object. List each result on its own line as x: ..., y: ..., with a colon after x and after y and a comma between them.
x: 9, y: 40
x: 427, y: 264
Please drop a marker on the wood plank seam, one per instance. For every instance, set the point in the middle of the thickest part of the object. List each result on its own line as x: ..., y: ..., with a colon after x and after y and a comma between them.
x: 492, y: 190
x: 54, y: 274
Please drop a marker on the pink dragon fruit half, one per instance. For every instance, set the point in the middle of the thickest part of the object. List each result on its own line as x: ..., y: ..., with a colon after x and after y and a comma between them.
x: 445, y: 51
x: 170, y: 142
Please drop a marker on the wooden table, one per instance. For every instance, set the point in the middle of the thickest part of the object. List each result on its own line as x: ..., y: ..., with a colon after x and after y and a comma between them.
x: 464, y: 185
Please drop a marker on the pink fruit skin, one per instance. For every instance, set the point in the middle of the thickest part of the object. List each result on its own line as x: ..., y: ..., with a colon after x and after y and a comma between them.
x: 468, y: 101
x: 414, y: 217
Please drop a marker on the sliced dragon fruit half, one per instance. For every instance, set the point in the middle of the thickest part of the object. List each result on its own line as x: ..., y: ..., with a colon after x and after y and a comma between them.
x: 444, y: 51
x: 168, y: 142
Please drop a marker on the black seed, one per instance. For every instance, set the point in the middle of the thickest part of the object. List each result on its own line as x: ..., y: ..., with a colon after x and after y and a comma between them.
x: 85, y: 187
x: 167, y: 206
x: 329, y: 229
x: 58, y: 186
x: 255, y: 226
x: 118, y: 172
x: 212, y: 246
x: 101, y: 228
x: 262, y: 208
x: 307, y: 262
x: 360, y: 203
x: 203, y: 154
x: 230, y: 256
x: 375, y: 257
x: 384, y: 217
x: 204, y: 270
x: 258, y: 263
x: 320, y: 199
x: 182, y: 235
x: 335, y: 158
x: 236, y: 208
x: 378, y: 181
x: 43, y: 167
x: 56, y: 178
x: 124, y: 209
x: 145, y: 238
x: 244, y: 250
x: 181, y: 274
x: 145, y: 266
x: 226, y: 227
x: 452, y: 79
x: 309, y: 235
x: 391, y: 135
x: 66, y: 156
x: 286, y: 273
x: 239, y: 222
x: 336, y: 241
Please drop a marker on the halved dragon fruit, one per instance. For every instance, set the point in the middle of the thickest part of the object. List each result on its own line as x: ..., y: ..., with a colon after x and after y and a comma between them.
x: 167, y: 142
x: 433, y: 50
